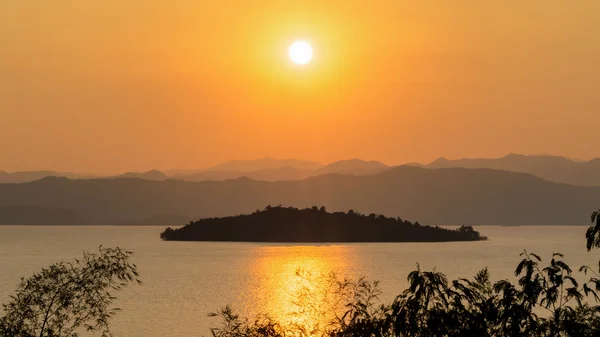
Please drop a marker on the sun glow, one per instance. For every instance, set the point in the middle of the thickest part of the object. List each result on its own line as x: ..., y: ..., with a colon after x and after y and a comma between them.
x: 294, y: 282
x: 300, y: 52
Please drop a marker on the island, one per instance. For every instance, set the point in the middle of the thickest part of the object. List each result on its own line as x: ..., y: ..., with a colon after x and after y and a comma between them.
x: 288, y: 224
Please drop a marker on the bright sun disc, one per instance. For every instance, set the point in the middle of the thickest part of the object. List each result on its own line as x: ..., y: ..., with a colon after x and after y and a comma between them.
x: 300, y: 52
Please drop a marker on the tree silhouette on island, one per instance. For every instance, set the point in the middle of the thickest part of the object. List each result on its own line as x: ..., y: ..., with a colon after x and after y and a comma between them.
x: 289, y: 224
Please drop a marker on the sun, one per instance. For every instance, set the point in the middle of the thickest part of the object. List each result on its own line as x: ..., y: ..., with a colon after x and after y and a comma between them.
x: 300, y: 52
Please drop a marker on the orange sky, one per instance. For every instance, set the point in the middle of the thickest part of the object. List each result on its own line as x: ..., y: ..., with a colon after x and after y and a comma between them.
x: 109, y: 86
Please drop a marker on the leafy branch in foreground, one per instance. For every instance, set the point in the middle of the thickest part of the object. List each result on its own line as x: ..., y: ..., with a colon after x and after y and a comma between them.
x: 322, y: 305
x: 593, y: 233
x: 545, y: 301
x: 66, y: 297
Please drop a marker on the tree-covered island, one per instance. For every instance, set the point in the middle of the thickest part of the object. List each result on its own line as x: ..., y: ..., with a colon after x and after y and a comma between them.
x: 288, y: 224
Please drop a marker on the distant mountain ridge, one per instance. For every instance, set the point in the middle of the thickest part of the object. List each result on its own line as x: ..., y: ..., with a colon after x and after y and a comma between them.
x: 150, y: 175
x: 26, y: 176
x: 37, y: 215
x: 354, y: 166
x: 453, y: 196
x: 548, y: 167
x: 552, y: 168
x: 289, y: 172
x: 268, y: 174
x: 265, y: 163
x: 267, y: 169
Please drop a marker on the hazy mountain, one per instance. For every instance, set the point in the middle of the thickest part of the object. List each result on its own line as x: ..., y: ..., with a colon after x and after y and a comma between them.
x: 150, y: 175
x: 25, y: 176
x: 266, y: 169
x: 36, y: 215
x: 264, y: 163
x: 553, y: 168
x: 274, y: 174
x: 415, y: 164
x: 430, y: 196
x: 354, y: 166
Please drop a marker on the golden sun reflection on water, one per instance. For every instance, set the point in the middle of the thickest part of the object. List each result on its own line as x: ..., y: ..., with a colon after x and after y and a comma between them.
x: 294, y: 282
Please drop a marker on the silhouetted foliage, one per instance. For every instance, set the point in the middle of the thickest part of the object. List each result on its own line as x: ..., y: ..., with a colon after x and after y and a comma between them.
x: 233, y: 325
x: 593, y: 233
x: 288, y: 224
x: 545, y: 301
x: 67, y: 297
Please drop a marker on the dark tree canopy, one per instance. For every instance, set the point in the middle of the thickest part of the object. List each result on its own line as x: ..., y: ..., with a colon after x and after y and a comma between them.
x: 67, y: 297
x: 593, y: 233
x: 288, y: 224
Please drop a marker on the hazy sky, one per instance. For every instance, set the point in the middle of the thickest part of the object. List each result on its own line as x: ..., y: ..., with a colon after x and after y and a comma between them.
x: 113, y: 85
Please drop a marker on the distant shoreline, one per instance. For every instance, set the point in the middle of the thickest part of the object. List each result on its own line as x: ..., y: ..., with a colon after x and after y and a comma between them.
x: 166, y: 225
x: 89, y: 225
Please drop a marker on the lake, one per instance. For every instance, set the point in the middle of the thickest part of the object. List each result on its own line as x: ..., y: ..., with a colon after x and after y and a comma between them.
x: 184, y: 281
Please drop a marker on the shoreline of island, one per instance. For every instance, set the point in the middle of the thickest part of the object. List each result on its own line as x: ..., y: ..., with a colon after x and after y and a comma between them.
x: 314, y: 225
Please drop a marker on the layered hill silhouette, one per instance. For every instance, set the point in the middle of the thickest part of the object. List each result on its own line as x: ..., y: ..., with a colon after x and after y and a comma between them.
x: 265, y: 163
x: 455, y: 196
x: 267, y: 169
x: 150, y: 175
x: 270, y: 171
x: 268, y: 174
x: 553, y: 168
x: 354, y: 166
x: 288, y: 224
x: 36, y: 215
x: 25, y: 176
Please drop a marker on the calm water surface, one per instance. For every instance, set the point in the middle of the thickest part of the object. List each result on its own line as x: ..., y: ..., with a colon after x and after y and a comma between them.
x: 183, y: 281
